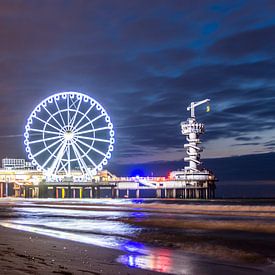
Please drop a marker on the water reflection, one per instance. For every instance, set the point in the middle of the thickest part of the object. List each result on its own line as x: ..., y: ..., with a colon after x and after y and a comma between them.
x: 154, y: 262
x: 99, y: 228
x: 156, y: 259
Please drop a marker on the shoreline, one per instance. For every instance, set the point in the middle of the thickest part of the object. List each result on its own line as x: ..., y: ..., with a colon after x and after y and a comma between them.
x: 176, y: 239
x: 22, y: 252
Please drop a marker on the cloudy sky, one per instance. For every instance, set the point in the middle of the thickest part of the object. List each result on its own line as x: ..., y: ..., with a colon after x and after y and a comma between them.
x: 144, y: 61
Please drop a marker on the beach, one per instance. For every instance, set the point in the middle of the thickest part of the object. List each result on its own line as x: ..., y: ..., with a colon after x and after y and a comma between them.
x: 27, y: 253
x: 136, y: 237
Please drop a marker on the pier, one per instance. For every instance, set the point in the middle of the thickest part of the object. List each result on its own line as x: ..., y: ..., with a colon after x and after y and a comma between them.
x: 31, y: 184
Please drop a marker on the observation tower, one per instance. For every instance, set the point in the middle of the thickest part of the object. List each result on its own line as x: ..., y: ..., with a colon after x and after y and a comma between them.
x: 194, y: 174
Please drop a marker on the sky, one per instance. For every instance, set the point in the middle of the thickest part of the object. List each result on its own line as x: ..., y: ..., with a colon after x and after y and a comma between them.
x: 144, y: 61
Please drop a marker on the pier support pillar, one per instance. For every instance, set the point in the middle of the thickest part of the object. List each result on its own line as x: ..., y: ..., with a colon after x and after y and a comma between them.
x: 26, y: 191
x: 117, y: 193
x: 113, y: 192
x: 1, y: 190
x: 7, y: 189
x: 158, y: 193
x: 69, y: 195
x: 137, y: 193
x: 197, y: 193
x: 174, y: 193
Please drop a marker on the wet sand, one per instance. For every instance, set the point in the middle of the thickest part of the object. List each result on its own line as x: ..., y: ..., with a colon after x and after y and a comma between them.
x: 28, y: 253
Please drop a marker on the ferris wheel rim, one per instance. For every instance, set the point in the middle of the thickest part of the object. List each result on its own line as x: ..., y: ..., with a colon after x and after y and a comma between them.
x: 78, y: 136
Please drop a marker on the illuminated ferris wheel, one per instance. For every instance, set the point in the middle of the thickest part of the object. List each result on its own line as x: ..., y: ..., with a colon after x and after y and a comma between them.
x: 68, y: 132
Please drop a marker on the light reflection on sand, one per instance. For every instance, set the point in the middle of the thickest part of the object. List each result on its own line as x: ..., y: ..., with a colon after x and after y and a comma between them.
x: 93, y: 227
x: 137, y: 255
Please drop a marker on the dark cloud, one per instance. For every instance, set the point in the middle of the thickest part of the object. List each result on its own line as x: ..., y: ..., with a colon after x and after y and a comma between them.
x: 247, y: 138
x: 257, y: 41
x: 246, y: 144
x: 145, y: 61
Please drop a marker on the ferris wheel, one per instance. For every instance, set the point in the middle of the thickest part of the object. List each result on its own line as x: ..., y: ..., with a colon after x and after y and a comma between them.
x: 68, y: 132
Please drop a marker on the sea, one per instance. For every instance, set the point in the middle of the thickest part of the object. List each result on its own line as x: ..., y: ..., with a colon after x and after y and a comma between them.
x: 169, y: 236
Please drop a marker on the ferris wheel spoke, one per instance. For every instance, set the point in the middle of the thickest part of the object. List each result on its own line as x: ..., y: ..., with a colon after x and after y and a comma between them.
x: 93, y: 130
x: 68, y: 110
x: 47, y: 123
x: 46, y: 148
x: 51, y: 116
x: 59, y: 111
x: 81, y: 162
x: 86, y: 155
x: 44, y: 131
x: 63, y: 166
x: 85, y: 115
x: 44, y: 139
x: 52, y: 155
x: 76, y: 112
x: 90, y: 122
x: 95, y: 139
x: 69, y: 159
x: 73, y: 103
x: 93, y: 148
x: 60, y: 154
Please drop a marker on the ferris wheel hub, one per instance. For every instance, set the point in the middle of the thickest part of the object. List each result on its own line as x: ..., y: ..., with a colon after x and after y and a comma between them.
x: 69, y: 135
